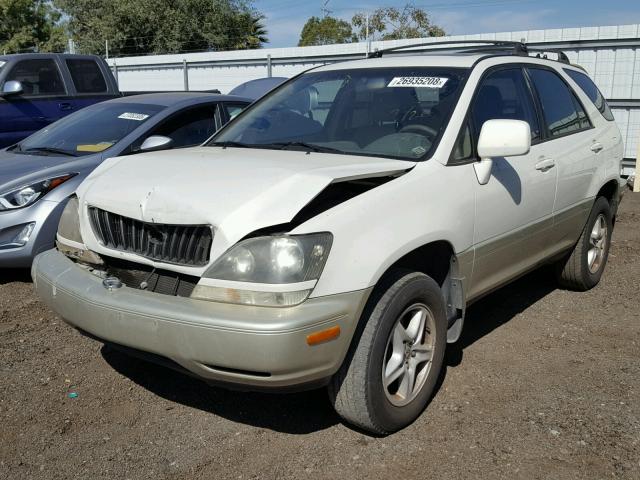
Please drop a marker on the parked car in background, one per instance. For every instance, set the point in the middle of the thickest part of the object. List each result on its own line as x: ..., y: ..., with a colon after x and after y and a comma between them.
x: 385, y: 196
x: 255, y: 89
x: 38, y: 174
x: 37, y: 89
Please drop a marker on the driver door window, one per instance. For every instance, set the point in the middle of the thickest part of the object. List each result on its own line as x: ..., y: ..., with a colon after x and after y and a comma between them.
x: 505, y: 94
x: 39, y: 77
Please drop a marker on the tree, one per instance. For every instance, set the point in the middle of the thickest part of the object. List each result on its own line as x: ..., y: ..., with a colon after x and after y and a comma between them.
x: 135, y: 27
x: 252, y: 32
x: 325, y: 31
x: 391, y: 23
x: 28, y: 25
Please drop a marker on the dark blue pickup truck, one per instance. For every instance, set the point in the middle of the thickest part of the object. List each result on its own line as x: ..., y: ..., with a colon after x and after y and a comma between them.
x: 38, y: 89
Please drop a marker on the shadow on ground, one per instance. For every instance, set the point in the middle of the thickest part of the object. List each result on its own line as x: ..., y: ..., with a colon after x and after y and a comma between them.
x: 300, y: 413
x: 496, y: 309
x: 10, y: 275
x: 294, y: 413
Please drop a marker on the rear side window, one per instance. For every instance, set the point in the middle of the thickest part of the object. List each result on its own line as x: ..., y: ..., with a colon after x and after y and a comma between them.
x: 86, y: 76
x: 590, y: 89
x: 233, y: 109
x: 38, y: 77
x: 504, y: 94
x: 562, y: 111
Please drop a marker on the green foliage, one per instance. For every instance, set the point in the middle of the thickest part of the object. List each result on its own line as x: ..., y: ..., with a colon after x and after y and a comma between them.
x: 30, y: 26
x: 391, y: 23
x: 135, y: 27
x: 251, y: 32
x: 325, y: 31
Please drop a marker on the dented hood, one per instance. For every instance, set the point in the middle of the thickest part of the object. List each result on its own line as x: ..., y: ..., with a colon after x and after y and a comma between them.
x: 234, y: 189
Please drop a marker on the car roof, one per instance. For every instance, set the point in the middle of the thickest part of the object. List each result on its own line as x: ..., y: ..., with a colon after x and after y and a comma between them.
x: 404, y: 60
x: 257, y: 87
x: 21, y: 56
x: 170, y: 99
x: 457, y: 60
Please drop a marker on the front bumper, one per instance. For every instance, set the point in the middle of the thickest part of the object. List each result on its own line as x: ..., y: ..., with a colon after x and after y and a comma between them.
x: 249, y: 346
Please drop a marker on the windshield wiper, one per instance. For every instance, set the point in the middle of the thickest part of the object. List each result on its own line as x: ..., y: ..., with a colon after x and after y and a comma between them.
x: 309, y: 146
x: 60, y: 151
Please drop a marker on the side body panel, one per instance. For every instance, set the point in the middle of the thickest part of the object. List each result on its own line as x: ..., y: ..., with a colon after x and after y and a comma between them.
x: 377, y: 228
x: 585, y: 161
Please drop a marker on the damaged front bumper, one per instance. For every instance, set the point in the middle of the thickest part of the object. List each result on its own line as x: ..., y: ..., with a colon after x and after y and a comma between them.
x: 251, y: 347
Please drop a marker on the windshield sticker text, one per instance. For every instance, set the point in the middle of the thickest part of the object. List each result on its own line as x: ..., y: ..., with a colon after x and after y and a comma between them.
x: 138, y: 117
x: 420, y: 82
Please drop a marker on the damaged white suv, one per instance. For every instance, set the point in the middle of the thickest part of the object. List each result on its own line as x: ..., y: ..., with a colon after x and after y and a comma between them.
x: 334, y: 233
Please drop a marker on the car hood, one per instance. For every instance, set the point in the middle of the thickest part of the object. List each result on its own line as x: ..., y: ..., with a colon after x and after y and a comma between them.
x: 20, y: 169
x: 235, y: 190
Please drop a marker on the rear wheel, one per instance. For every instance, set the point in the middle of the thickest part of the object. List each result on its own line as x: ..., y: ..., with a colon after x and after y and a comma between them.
x: 392, y: 368
x: 583, y: 268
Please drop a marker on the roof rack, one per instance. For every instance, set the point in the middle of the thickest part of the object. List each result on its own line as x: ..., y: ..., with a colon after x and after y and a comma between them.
x: 542, y: 53
x: 478, y: 46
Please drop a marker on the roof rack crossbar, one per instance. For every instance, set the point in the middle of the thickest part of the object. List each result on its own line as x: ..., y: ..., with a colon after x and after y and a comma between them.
x: 517, y: 48
x: 479, y: 46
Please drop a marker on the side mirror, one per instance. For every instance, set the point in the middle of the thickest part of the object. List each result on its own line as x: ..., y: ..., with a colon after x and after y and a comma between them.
x: 12, y: 87
x: 156, y: 142
x: 500, y: 138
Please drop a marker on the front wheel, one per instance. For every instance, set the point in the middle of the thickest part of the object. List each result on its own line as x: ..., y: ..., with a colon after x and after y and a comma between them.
x: 583, y: 268
x: 392, y: 368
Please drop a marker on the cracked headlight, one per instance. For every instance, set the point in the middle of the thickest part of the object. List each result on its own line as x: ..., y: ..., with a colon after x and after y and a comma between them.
x: 69, y: 240
x: 278, y: 270
x: 29, y: 194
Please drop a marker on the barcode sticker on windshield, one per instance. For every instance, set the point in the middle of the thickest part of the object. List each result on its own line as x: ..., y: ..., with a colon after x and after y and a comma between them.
x: 138, y: 117
x: 420, y: 82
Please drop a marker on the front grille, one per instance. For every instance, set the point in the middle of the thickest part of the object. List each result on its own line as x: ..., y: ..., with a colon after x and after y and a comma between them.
x: 143, y: 277
x: 176, y: 244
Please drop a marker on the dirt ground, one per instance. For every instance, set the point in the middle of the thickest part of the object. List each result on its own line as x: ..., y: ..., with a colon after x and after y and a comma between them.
x: 545, y: 384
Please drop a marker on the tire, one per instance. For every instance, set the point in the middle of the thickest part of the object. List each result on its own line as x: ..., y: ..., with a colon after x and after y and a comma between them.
x: 579, y: 271
x: 357, y: 391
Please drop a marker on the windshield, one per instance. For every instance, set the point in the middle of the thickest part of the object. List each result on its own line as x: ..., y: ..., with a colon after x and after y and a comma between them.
x: 93, y: 129
x: 389, y: 112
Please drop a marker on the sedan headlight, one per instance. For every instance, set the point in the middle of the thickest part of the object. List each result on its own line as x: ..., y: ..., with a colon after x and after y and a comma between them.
x: 278, y: 270
x: 29, y: 194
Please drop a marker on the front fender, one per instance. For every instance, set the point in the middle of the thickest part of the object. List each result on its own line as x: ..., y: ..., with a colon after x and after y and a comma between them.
x: 373, y: 230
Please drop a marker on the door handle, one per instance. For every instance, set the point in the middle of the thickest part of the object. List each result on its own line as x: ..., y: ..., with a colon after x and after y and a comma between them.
x: 597, y: 147
x: 545, y: 164
x: 65, y: 106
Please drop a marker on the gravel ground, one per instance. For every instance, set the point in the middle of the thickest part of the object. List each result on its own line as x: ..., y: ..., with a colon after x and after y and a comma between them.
x: 543, y: 385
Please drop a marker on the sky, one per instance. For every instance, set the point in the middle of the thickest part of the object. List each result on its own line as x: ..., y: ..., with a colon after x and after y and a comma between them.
x: 285, y: 18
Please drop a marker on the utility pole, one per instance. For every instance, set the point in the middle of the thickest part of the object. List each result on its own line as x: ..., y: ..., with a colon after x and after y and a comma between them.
x: 367, y: 34
x: 325, y: 11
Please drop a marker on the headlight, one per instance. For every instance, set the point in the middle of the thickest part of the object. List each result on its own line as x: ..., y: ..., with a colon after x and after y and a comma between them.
x: 69, y: 240
x: 28, y: 194
x: 279, y: 270
x: 69, y: 225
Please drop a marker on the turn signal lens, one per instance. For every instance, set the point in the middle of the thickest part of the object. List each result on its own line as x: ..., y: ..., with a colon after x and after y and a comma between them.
x: 323, y: 336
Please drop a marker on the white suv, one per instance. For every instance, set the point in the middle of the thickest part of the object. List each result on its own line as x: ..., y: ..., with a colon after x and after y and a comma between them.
x: 334, y: 233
